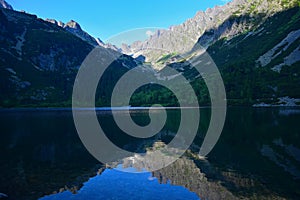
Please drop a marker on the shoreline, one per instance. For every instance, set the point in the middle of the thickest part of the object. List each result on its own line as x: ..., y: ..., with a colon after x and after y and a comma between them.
x: 140, y: 108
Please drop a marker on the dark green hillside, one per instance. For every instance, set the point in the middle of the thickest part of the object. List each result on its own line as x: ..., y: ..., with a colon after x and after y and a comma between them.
x: 245, y: 79
x: 39, y: 62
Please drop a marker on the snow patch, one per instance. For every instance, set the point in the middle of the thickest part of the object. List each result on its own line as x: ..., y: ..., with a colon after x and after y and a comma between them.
x: 259, y: 31
x: 282, y: 101
x: 249, y: 34
x: 284, y: 44
x: 4, y: 4
x: 289, y: 60
x: 287, y: 101
x: 20, y: 42
x: 11, y: 71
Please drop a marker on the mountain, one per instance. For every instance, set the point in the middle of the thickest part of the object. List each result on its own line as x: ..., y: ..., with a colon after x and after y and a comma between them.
x: 74, y: 28
x: 4, y: 4
x: 181, y: 38
x: 39, y: 60
x: 261, y: 65
x: 255, y: 45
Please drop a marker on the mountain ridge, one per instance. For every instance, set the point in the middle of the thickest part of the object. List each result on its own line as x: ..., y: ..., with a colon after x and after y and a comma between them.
x: 48, y: 50
x: 39, y: 61
x: 247, y: 82
x: 183, y: 37
x: 4, y: 4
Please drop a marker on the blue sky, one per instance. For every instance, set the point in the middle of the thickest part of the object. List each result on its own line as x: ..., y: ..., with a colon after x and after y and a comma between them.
x: 105, y: 18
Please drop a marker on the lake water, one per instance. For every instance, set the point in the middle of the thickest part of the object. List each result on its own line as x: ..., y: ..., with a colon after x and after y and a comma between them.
x: 257, y: 155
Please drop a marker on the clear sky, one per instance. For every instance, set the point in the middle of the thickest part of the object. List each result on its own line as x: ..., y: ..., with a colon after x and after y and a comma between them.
x: 105, y: 18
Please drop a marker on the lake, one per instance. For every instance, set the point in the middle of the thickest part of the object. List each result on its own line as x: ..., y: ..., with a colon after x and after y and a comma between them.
x: 257, y: 156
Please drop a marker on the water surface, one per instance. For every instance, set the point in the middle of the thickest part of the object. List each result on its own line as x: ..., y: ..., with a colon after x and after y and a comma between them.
x: 258, y: 154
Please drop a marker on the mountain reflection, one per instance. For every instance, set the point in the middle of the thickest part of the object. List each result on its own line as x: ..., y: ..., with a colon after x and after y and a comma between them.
x: 257, y: 155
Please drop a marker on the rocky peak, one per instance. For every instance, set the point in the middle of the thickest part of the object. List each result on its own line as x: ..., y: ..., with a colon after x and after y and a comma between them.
x: 213, y: 23
x: 60, y: 23
x: 126, y: 49
x: 107, y: 45
x: 74, y: 28
x: 4, y: 4
x: 53, y: 21
x: 74, y: 25
x: 99, y: 41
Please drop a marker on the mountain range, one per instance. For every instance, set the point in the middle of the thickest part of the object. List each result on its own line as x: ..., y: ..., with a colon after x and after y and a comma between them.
x: 4, y: 4
x: 40, y: 59
x: 209, y: 26
x: 255, y: 45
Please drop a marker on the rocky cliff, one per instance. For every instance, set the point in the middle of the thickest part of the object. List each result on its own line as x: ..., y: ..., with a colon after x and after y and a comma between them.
x: 206, y: 27
x: 255, y: 45
x: 4, y: 4
x: 39, y: 60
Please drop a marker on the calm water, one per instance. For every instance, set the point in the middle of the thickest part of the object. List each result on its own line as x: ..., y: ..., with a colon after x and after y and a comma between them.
x: 258, y: 154
x: 114, y: 184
